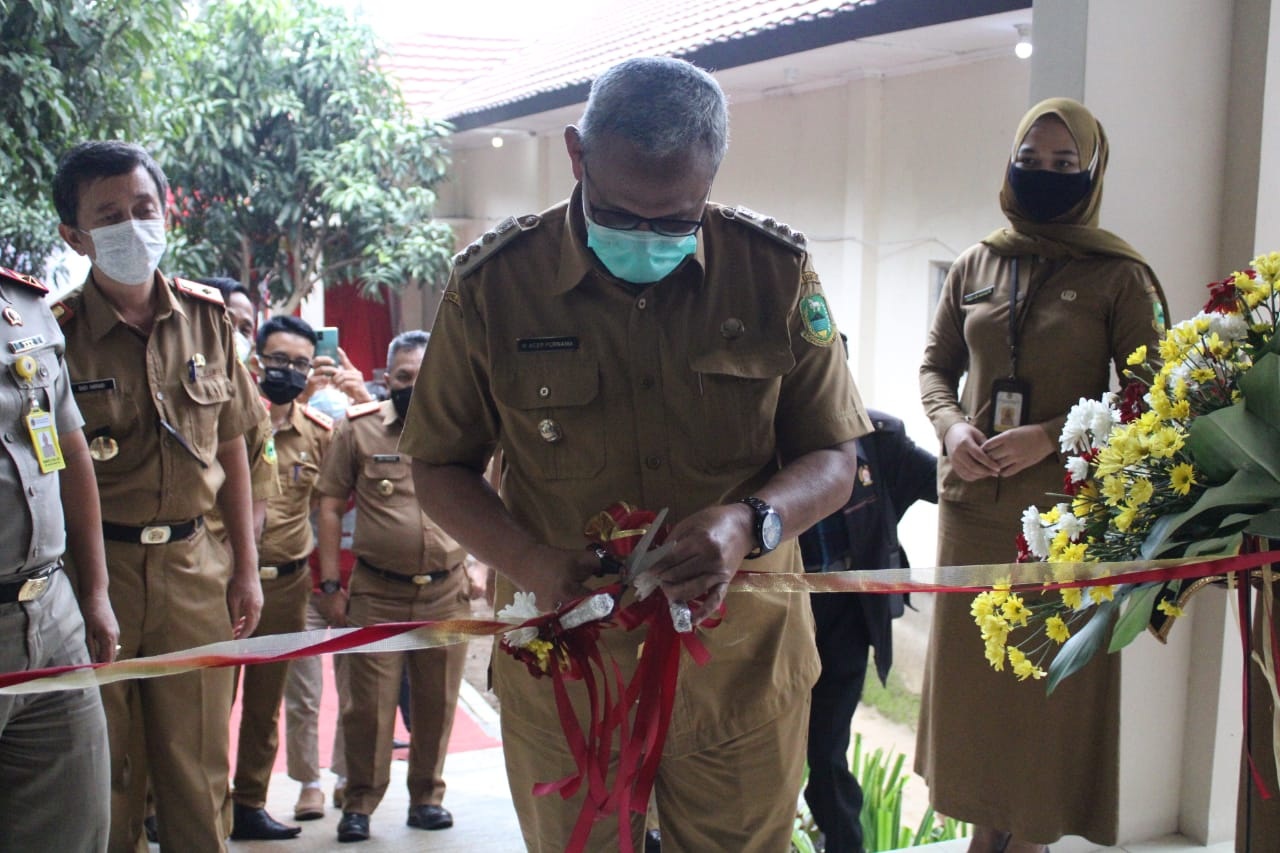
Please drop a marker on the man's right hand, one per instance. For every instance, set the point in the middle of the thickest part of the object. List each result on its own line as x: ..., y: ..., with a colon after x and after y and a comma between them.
x: 334, y: 608
x: 557, y: 575
x: 963, y: 443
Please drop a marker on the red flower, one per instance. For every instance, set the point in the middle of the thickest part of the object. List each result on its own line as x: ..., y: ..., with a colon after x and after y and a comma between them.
x: 1223, y: 297
x: 1131, y: 403
x: 1069, y: 486
x: 1024, y: 553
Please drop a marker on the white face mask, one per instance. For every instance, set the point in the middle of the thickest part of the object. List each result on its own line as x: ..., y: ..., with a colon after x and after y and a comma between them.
x: 129, y: 251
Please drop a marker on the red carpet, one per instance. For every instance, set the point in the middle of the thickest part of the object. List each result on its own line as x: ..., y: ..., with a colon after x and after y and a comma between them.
x: 466, y: 735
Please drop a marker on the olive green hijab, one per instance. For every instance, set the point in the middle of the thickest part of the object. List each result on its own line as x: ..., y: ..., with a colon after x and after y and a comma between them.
x: 1076, y: 232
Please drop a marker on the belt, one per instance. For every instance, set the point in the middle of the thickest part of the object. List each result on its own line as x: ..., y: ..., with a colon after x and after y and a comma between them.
x: 28, y: 587
x: 151, y: 534
x: 268, y: 573
x: 419, y: 580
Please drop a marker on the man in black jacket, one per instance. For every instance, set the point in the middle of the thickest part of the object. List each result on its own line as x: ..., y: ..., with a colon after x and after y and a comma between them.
x: 893, y: 473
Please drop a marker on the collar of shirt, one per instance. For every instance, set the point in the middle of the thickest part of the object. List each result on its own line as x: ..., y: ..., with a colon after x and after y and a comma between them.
x: 102, y: 316
x: 293, y: 422
x: 389, y: 416
x: 576, y: 260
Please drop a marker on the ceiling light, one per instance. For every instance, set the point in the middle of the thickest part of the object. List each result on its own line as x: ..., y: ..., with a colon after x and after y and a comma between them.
x: 496, y: 141
x: 1023, y: 48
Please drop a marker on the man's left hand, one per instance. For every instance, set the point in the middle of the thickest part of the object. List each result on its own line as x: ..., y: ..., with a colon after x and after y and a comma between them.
x: 479, y: 580
x: 709, y: 547
x: 244, y: 601
x: 101, y: 631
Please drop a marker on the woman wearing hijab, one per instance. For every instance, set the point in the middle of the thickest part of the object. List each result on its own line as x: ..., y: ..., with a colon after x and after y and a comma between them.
x: 1038, y: 315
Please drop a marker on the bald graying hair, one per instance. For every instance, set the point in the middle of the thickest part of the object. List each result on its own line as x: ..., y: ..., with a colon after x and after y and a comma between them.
x: 665, y: 107
x: 414, y: 339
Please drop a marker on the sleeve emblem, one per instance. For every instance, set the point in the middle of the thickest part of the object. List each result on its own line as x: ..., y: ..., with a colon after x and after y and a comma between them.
x: 816, y: 319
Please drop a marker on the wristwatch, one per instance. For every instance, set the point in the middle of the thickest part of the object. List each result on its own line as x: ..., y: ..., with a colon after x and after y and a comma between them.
x: 768, y: 528
x: 329, y: 586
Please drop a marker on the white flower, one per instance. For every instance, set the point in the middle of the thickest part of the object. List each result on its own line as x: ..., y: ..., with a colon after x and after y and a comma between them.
x: 1078, y: 468
x: 1102, y: 418
x: 521, y: 609
x: 1073, y: 435
x: 1088, y: 424
x: 1068, y: 522
x: 1035, y: 533
x: 1229, y: 327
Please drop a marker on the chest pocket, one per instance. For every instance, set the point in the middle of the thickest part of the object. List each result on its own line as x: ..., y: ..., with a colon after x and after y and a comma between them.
x: 735, y: 398
x: 200, y: 421
x: 552, y: 416
x: 387, y: 482
x: 112, y: 426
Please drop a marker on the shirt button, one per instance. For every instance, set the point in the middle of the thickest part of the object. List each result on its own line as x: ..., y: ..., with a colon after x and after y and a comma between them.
x: 544, y: 391
x: 159, y: 395
x: 8, y: 438
x: 653, y: 462
x: 641, y: 303
x: 646, y: 382
x: 31, y: 490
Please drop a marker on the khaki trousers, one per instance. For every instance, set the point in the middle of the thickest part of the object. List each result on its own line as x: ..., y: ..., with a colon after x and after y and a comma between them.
x: 740, y: 795
x: 373, y: 689
x: 303, y: 692
x: 284, y: 609
x: 54, y: 764
x: 168, y: 598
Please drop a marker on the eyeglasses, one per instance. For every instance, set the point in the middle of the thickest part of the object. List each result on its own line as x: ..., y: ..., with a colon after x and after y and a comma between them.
x: 281, y: 362
x: 621, y: 220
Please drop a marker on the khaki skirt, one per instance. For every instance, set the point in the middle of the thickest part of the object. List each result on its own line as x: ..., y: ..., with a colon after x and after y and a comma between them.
x: 996, y: 751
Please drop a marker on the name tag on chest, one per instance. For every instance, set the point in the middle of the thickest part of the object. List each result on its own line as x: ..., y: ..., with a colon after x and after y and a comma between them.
x: 93, y: 385
x: 565, y: 342
x: 386, y: 457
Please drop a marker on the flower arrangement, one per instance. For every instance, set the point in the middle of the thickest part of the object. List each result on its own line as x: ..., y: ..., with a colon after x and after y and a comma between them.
x: 1184, y: 461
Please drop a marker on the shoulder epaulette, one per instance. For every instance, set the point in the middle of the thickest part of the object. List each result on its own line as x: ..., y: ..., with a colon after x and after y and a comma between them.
x: 62, y: 312
x: 488, y: 243
x: 199, y: 291
x: 319, y: 417
x: 780, y: 231
x: 363, y: 409
x: 31, y: 281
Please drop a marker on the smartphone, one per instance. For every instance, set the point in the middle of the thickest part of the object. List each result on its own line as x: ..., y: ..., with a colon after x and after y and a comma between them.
x: 327, y: 342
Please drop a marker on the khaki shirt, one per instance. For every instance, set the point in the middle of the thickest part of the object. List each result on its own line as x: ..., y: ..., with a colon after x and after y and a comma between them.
x: 392, y: 531
x: 32, y: 533
x: 683, y: 394
x: 184, y: 374
x: 301, y: 443
x: 1078, y: 320
x: 263, y: 482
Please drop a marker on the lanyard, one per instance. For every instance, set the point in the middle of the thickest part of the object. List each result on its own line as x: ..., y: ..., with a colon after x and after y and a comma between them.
x: 1013, y: 323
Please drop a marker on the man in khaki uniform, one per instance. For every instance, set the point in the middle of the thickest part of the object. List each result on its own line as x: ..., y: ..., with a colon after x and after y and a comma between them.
x: 637, y: 343
x: 166, y: 405
x: 285, y: 349
x: 407, y: 570
x: 53, y: 746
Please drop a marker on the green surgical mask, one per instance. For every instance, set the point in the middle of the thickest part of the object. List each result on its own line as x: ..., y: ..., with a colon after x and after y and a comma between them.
x: 640, y: 257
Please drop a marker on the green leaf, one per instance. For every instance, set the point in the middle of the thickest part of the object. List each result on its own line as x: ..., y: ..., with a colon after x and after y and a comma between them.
x: 1233, y: 439
x: 1137, y: 613
x: 1081, y: 647
x: 1267, y: 524
x: 1247, y: 490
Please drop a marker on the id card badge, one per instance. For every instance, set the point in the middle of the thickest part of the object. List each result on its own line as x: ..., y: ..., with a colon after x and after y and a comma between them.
x: 44, y: 438
x: 1010, y: 404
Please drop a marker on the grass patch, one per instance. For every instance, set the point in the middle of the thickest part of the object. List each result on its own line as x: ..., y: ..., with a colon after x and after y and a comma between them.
x: 894, y: 701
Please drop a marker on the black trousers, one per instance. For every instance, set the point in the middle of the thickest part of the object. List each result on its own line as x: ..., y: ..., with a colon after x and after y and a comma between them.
x: 832, y: 793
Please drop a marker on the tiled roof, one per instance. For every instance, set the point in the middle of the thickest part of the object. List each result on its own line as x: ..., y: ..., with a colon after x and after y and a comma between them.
x: 427, y: 65
x: 574, y: 54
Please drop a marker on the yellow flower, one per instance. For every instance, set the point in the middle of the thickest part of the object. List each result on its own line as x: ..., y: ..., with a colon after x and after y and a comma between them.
x: 995, y: 655
x: 1181, y: 410
x: 1125, y: 518
x: 542, y: 651
x: 1015, y: 611
x: 1074, y: 553
x: 1170, y: 347
x: 1113, y: 489
x: 982, y: 607
x: 1168, y: 608
x: 1267, y: 267
x: 1204, y: 374
x: 1052, y: 516
x: 1109, y: 461
x: 994, y: 627
x: 1102, y: 593
x: 1182, y: 478
x: 1141, y: 491
x: 1138, y: 356
x: 1022, y: 667
x: 999, y: 592
x: 1056, y: 629
x: 1073, y: 598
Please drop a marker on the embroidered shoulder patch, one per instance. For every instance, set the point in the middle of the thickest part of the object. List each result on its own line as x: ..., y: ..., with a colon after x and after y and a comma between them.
x: 269, y: 450
x: 816, y: 319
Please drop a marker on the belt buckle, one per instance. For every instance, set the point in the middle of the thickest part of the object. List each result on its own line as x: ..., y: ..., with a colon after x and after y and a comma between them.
x: 422, y: 580
x: 156, y: 534
x: 269, y: 573
x: 33, y: 588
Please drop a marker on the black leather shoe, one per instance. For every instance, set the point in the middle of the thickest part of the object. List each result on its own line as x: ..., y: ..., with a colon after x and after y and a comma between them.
x: 353, y: 827
x: 652, y: 841
x: 256, y: 825
x: 151, y: 828
x: 430, y: 817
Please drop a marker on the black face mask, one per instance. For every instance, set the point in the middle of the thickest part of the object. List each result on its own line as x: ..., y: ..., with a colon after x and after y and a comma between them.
x: 281, y: 385
x: 1044, y: 195
x: 400, y: 399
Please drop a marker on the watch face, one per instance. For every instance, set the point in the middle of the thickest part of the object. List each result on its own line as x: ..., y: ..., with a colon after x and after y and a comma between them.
x: 771, y: 530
